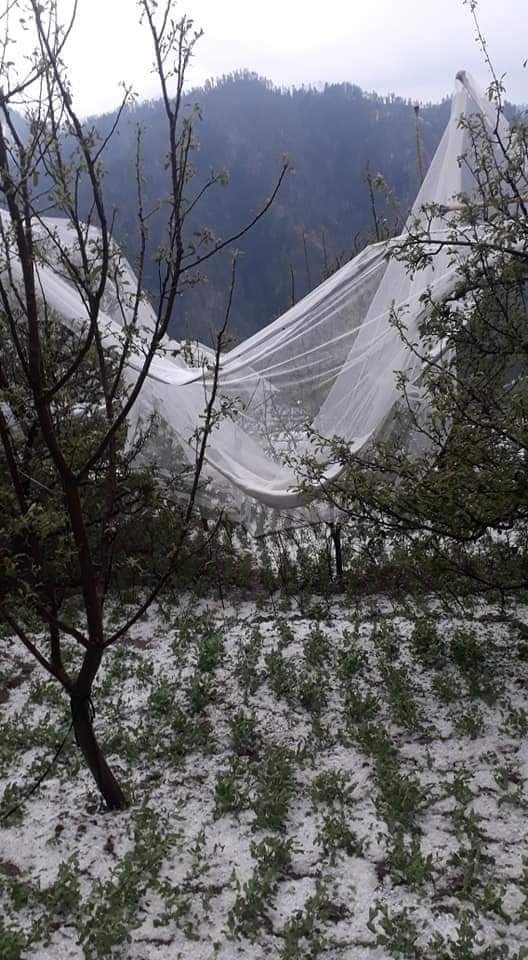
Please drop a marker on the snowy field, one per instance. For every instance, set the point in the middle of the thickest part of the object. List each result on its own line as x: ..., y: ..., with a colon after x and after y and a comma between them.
x: 331, y: 781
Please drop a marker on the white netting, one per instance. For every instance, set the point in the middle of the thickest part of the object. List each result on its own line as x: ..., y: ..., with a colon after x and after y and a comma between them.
x: 330, y: 363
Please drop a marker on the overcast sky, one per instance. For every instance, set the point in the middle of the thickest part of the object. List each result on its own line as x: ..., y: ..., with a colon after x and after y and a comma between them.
x: 410, y: 47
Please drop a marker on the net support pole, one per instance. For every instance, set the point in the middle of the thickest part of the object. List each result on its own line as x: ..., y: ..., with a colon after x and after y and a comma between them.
x: 419, y: 151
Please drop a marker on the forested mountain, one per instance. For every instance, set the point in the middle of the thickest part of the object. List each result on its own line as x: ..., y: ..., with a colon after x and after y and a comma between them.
x: 333, y: 137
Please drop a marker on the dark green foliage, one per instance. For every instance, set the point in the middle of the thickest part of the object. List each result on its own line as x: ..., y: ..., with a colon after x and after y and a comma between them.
x: 275, y: 786
x: 250, y: 910
x: 245, y: 738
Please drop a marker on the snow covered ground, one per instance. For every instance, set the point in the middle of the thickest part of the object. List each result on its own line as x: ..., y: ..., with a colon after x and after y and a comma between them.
x: 327, y: 781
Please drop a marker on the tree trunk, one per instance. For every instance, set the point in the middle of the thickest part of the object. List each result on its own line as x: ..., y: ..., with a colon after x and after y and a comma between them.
x: 107, y: 784
x: 335, y: 531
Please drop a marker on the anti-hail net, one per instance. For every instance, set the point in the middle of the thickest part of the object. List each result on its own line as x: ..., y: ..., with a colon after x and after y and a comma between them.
x: 330, y: 366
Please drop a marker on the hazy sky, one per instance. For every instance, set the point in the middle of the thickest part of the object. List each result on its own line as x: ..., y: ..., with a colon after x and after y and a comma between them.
x: 410, y: 47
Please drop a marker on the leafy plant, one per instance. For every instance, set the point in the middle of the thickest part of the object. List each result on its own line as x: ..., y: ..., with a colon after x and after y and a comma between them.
x: 400, y: 795
x: 274, y: 790
x: 401, y: 695
x: 251, y: 908
x: 406, y: 862
x: 112, y: 909
x: 231, y: 793
x: 394, y: 930
x: 316, y: 647
x: 247, y: 663
x: 332, y: 787
x: 244, y: 734
x: 282, y: 675
x: 336, y: 836
x: 303, y: 935
x: 13, y: 942
x: 426, y: 643
x: 63, y: 897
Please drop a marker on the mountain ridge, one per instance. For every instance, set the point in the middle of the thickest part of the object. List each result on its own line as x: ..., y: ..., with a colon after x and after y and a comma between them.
x: 337, y: 138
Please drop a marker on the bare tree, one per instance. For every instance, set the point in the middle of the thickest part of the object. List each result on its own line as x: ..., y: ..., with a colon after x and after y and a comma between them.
x: 71, y: 484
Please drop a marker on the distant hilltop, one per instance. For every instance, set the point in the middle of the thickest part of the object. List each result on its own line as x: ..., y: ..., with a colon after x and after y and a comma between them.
x: 355, y: 172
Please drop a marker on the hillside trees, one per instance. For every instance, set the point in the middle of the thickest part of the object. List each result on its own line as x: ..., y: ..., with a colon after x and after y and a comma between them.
x: 339, y: 139
x: 73, y: 486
